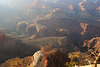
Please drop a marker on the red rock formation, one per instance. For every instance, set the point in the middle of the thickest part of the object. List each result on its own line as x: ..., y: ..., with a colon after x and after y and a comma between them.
x: 36, y: 8
x: 94, y: 43
x: 54, y: 59
x: 89, y: 31
x: 82, y: 7
x: 84, y: 27
x: 90, y: 6
x: 70, y: 7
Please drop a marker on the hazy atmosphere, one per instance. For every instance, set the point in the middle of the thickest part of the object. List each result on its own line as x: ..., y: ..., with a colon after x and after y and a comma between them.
x: 49, y: 33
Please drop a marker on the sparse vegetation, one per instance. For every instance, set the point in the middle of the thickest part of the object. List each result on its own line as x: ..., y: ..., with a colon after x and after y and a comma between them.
x: 70, y: 64
x: 18, y: 62
x: 78, y: 58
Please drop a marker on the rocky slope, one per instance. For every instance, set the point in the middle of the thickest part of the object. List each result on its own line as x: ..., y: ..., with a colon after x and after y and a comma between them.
x: 63, y: 44
x: 61, y: 24
x: 50, y: 59
x: 55, y: 23
x: 19, y: 62
x: 93, y: 44
x: 89, y: 31
x: 38, y: 7
x: 58, y: 24
x: 10, y: 48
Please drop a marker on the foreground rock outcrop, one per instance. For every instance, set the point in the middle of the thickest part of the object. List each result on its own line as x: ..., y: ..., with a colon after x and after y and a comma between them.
x: 52, y: 58
x: 18, y: 62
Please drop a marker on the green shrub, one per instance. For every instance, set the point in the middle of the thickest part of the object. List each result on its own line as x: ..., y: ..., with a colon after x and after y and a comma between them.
x: 70, y: 64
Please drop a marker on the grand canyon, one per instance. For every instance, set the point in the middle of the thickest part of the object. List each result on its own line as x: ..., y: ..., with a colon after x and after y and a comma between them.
x: 49, y: 33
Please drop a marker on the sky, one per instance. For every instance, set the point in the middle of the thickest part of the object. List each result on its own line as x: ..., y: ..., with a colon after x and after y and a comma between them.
x: 14, y: 2
x: 6, y: 2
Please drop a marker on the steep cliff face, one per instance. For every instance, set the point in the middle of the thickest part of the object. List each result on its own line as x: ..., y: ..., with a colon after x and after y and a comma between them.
x: 57, y: 23
x: 38, y: 60
x: 56, y: 14
x: 38, y: 7
x: 53, y: 24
